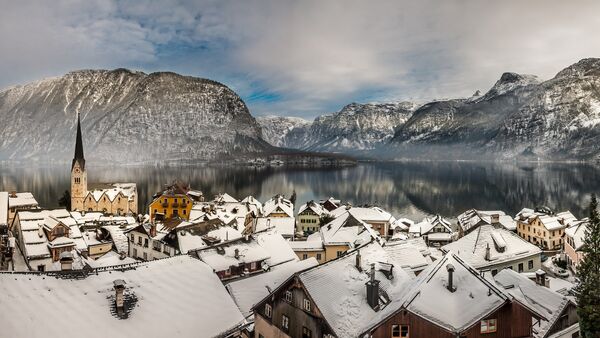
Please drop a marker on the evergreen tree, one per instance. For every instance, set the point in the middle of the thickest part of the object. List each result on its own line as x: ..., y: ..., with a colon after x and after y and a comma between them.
x: 65, y: 200
x: 293, y: 198
x: 588, y: 290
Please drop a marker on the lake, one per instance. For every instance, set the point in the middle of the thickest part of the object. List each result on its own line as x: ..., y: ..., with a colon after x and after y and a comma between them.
x: 407, y: 189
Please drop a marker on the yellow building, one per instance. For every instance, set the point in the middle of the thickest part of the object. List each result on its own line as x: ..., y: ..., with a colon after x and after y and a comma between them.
x: 540, y: 228
x: 309, y: 217
x: 173, y: 202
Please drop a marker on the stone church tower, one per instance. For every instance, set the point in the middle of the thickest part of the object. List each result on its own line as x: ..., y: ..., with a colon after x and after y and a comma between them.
x: 78, y: 174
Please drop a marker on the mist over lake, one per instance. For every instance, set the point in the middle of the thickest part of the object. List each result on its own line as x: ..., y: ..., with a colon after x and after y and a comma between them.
x: 407, y: 189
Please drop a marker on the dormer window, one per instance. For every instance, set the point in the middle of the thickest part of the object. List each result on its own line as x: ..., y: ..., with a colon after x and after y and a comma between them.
x: 306, y: 304
x: 288, y: 296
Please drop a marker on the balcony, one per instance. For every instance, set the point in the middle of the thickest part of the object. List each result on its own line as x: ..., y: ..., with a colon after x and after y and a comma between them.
x: 175, y: 205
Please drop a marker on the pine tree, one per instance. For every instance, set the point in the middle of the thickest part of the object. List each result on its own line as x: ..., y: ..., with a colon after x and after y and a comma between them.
x: 65, y: 200
x: 588, y: 290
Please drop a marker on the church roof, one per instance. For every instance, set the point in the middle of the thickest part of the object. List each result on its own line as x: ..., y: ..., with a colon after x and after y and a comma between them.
x: 78, y: 147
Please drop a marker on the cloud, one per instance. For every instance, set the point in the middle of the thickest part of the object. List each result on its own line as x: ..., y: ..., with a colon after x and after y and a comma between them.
x: 303, y: 57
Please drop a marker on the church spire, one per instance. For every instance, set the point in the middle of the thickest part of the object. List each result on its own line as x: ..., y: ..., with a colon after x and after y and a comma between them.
x: 78, y: 147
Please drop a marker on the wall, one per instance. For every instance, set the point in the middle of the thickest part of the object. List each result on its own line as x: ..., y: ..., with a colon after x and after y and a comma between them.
x: 310, y: 254
x: 332, y: 250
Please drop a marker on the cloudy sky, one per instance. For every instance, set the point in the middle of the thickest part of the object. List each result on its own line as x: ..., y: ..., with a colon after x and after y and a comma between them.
x: 303, y: 58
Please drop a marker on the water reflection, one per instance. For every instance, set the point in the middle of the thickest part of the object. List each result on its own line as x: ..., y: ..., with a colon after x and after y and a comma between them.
x: 412, y: 189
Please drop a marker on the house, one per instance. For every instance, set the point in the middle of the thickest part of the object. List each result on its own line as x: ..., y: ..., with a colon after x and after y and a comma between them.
x: 177, y: 297
x: 43, y: 235
x: 330, y: 204
x: 309, y: 217
x: 379, y: 219
x: 246, y: 292
x: 574, y: 245
x: 240, y: 215
x: 335, y: 299
x: 490, y: 248
x: 149, y: 241
x: 542, y: 227
x: 472, y: 218
x: 110, y: 198
x: 248, y: 255
x: 343, y: 233
x: 553, y: 312
x: 435, y: 231
x: 411, y: 254
x: 18, y: 201
x: 174, y: 201
x: 278, y: 206
x: 451, y: 299
x: 310, y: 248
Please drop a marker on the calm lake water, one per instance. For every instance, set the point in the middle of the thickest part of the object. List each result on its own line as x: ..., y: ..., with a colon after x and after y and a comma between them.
x: 413, y: 189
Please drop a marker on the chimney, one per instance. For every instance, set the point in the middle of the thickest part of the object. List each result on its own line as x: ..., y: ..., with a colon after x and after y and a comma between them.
x: 119, y: 286
x: 13, y: 194
x: 450, y: 269
x: 66, y: 261
x: 373, y: 290
x: 236, y: 253
x: 495, y: 219
x: 358, y: 261
x: 153, y: 230
x: 487, y: 252
x: 540, y: 278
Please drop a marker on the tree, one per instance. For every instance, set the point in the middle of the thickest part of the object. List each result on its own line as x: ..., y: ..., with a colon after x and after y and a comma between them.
x: 588, y: 290
x: 65, y: 200
x: 293, y: 198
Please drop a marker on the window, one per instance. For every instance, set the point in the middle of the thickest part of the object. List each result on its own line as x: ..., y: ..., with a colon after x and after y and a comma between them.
x: 306, y: 304
x: 260, y: 336
x: 306, y: 332
x: 400, y: 331
x: 340, y: 253
x: 155, y: 211
x: 145, y: 256
x: 134, y: 252
x: 175, y: 212
x: 268, y: 310
x: 304, y: 256
x: 520, y: 267
x: 41, y: 268
x: 156, y: 245
x: 145, y: 242
x: 288, y: 296
x: 184, y: 211
x: 285, y: 322
x: 488, y: 326
x: 318, y: 256
x: 530, y: 264
x: 140, y: 240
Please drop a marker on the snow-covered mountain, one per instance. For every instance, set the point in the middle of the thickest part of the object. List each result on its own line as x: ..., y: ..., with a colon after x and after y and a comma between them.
x: 276, y: 128
x: 519, y: 116
x: 356, y: 127
x: 126, y: 117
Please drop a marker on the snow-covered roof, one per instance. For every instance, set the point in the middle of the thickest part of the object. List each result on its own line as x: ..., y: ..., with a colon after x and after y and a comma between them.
x: 314, y: 244
x: 252, y: 201
x: 473, y: 297
x: 472, y: 247
x: 473, y: 218
x: 402, y: 224
x: 118, y: 236
x: 3, y: 208
x: 577, y: 233
x: 225, y: 198
x: 541, y: 300
x: 373, y: 214
x: 408, y: 256
x: 312, y: 205
x: 160, y: 305
x: 112, y: 190
x: 249, y: 291
x: 278, y: 248
x: 285, y: 225
x: 550, y: 221
x: 338, y: 288
x: 347, y: 230
x: 278, y: 204
x: 22, y: 199
x: 109, y: 259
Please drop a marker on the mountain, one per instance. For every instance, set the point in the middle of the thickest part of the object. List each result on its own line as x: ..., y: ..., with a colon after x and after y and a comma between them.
x: 357, y: 126
x: 276, y: 128
x: 126, y: 116
x: 518, y: 117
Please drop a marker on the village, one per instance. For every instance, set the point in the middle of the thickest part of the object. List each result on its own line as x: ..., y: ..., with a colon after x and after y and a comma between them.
x: 223, y: 266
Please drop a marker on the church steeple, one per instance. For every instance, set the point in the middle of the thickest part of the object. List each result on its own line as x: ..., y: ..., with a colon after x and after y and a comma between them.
x: 78, y: 147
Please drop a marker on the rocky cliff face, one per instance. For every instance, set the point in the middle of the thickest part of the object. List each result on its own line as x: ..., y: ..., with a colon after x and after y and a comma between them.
x: 275, y: 129
x: 357, y: 127
x: 126, y: 117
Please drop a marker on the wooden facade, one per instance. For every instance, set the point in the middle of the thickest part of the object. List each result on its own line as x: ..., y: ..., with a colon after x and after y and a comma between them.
x: 512, y: 321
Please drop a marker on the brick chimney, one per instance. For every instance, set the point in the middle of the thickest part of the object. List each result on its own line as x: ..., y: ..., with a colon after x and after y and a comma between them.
x: 153, y: 230
x: 487, y: 252
x: 540, y: 278
x: 450, y: 269
x: 373, y: 290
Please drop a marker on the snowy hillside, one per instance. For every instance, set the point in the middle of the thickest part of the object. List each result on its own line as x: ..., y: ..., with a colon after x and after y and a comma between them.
x: 126, y: 117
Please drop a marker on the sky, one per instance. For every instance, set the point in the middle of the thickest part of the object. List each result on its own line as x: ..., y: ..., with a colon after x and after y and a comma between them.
x: 303, y: 58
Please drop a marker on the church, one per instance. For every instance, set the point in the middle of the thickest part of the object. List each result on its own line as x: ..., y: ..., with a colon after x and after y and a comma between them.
x: 109, y: 198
